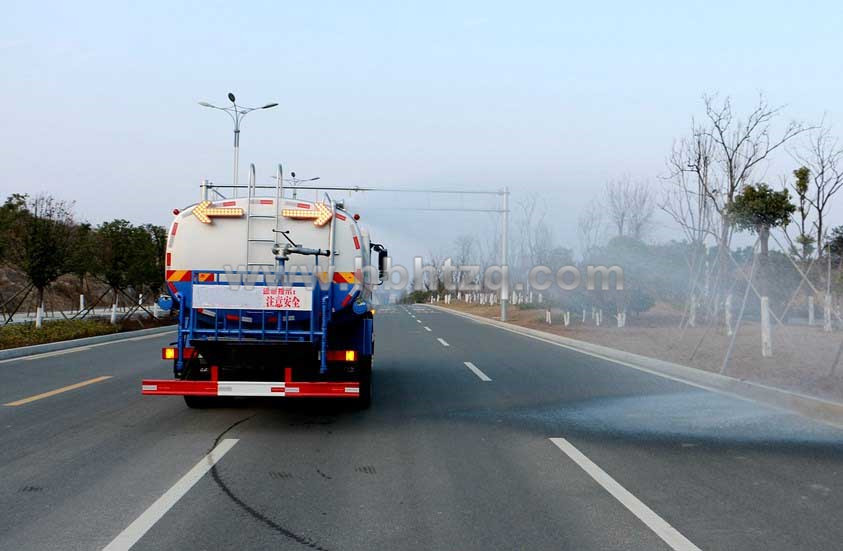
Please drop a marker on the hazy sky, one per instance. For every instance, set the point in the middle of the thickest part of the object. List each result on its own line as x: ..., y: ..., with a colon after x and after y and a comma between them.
x: 98, y: 101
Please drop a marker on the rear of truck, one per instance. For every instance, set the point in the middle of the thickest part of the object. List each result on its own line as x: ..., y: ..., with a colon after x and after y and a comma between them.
x: 273, y: 298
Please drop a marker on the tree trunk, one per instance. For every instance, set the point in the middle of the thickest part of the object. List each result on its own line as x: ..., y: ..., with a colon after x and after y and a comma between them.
x: 764, y: 239
x: 113, y: 319
x: 39, y: 308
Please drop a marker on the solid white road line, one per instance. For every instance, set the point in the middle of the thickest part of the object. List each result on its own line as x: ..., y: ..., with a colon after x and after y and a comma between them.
x: 442, y: 341
x: 426, y: 328
x: 657, y: 524
x: 476, y: 370
x: 56, y: 353
x: 135, y: 531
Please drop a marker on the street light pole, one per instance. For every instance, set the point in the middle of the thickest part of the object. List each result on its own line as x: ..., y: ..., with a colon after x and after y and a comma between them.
x: 237, y: 114
x: 504, y: 255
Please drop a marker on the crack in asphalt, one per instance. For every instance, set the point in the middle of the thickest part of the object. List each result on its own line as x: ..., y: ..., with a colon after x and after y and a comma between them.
x: 254, y: 513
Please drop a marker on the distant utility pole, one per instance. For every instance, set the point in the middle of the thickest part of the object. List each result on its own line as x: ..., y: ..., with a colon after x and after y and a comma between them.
x: 237, y: 113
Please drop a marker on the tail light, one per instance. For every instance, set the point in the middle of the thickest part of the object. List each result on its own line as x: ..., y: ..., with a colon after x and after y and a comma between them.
x: 342, y: 356
x: 171, y: 353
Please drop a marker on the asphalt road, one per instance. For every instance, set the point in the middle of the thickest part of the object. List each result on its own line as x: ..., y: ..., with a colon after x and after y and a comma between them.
x: 529, y: 446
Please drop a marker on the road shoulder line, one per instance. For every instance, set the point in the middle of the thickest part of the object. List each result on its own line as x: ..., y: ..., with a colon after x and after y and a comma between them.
x: 819, y: 409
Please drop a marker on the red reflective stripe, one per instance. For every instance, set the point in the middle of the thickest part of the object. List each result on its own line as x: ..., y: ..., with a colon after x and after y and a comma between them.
x: 172, y: 288
x: 346, y: 300
x: 229, y: 203
x: 174, y: 228
x: 266, y: 201
x: 175, y: 387
x: 303, y: 205
x: 340, y: 216
x: 313, y: 390
x: 169, y: 258
x: 276, y: 389
x: 356, y: 242
x: 231, y: 317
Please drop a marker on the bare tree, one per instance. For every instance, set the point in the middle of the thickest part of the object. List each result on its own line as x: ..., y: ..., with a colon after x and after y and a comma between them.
x: 630, y: 206
x: 531, y: 214
x: 822, y: 154
x: 740, y: 146
x: 689, y: 176
x: 465, y: 246
x: 591, y: 227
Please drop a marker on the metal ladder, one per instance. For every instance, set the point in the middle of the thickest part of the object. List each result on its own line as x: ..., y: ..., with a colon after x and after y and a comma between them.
x: 250, y: 234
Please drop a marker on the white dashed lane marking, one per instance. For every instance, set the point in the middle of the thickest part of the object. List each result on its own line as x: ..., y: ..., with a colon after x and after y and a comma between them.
x: 483, y: 377
x: 657, y: 524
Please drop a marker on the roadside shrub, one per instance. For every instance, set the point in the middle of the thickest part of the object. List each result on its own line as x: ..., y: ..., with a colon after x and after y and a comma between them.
x: 25, y: 334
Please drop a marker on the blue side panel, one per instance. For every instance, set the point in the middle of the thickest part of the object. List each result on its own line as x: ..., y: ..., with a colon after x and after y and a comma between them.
x: 368, y: 328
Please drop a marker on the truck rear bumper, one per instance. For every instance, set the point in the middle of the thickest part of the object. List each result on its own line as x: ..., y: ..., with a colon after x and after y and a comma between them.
x: 165, y: 387
x: 288, y: 388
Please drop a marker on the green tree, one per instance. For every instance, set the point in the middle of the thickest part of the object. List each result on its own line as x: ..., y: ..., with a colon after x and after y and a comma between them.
x: 12, y: 209
x: 154, y: 266
x: 802, y: 185
x: 41, y: 239
x: 758, y: 208
x: 81, y: 260
x: 115, y: 254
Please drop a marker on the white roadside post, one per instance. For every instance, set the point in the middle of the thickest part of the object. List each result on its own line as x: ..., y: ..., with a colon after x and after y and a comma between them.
x: 728, y: 314
x: 811, y: 310
x: 81, y: 302
x: 692, y: 316
x: 827, y: 314
x: 766, y: 344
x: 113, y: 320
x: 827, y: 324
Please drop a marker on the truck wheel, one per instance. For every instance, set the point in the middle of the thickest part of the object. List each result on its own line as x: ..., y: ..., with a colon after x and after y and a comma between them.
x: 364, y: 400
x: 198, y: 402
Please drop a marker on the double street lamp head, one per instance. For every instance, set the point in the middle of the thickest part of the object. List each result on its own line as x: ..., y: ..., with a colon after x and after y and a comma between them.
x: 232, y: 98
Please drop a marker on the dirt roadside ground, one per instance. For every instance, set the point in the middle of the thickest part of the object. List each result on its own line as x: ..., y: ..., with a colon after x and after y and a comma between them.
x: 803, y: 357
